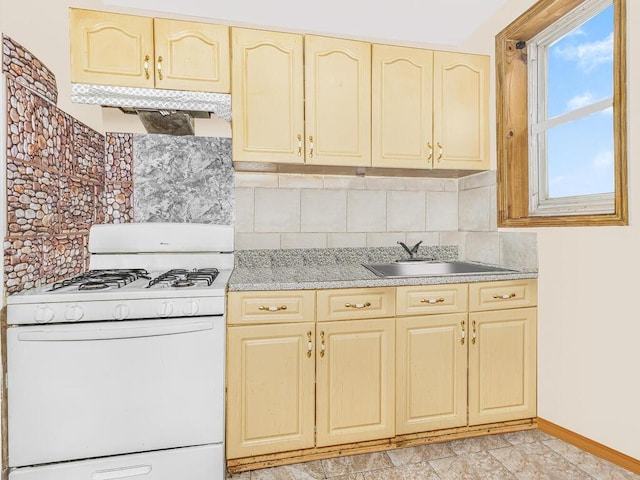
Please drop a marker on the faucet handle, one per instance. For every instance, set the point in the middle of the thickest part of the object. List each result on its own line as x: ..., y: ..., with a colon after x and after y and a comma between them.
x: 414, y: 249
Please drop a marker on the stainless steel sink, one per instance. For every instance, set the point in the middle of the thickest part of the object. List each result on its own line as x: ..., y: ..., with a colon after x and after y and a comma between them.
x: 424, y: 269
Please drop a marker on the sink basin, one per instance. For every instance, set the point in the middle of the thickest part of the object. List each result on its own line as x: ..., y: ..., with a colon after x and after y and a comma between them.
x: 424, y: 269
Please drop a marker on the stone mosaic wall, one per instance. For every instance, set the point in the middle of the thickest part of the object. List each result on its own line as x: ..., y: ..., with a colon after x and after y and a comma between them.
x: 62, y: 177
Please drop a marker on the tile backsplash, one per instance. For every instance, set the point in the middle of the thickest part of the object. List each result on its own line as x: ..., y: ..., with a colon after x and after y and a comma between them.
x: 315, y: 211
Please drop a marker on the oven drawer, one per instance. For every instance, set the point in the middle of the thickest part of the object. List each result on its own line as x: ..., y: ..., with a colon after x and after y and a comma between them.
x: 195, y: 463
x: 271, y: 307
x: 108, y: 388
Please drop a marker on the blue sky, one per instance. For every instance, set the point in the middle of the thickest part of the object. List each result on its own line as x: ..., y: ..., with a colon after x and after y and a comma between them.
x: 580, y: 69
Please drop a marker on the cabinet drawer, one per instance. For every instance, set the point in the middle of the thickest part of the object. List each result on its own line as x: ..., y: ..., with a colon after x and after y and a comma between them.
x: 354, y: 303
x: 270, y: 307
x: 503, y: 295
x: 426, y: 299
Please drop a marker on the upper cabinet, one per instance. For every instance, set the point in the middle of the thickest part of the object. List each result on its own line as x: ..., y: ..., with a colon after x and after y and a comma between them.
x: 132, y: 51
x: 430, y: 109
x: 274, y: 92
x: 268, y: 96
x: 461, y: 111
x: 338, y: 101
x: 402, y: 87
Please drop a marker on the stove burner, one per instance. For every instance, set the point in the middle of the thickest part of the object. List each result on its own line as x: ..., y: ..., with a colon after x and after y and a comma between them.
x: 101, y: 279
x: 93, y: 285
x: 180, y: 277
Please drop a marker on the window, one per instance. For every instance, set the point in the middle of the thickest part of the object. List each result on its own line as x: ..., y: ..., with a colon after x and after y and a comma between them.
x: 561, y: 115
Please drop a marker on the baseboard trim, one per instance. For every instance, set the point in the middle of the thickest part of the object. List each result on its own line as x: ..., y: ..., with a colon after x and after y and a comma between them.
x: 591, y: 446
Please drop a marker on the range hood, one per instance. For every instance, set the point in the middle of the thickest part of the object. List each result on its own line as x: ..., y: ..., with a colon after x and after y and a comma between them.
x: 161, y: 111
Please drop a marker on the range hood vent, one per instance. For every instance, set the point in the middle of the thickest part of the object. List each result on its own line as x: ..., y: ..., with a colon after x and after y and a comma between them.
x: 161, y: 111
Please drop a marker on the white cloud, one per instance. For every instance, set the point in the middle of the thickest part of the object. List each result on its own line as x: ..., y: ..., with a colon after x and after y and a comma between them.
x: 603, y: 160
x: 579, y: 101
x: 590, y: 54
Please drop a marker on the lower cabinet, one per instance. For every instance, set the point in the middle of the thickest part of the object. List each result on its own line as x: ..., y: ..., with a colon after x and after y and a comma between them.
x: 270, y: 389
x: 355, y: 381
x: 502, y: 365
x: 431, y: 373
x: 320, y: 368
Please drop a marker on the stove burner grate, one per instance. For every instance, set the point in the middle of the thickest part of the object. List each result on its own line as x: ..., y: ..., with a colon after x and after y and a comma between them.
x: 101, y: 279
x: 180, y: 277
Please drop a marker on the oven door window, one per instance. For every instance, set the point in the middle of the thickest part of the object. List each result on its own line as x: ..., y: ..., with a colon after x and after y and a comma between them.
x: 95, y: 389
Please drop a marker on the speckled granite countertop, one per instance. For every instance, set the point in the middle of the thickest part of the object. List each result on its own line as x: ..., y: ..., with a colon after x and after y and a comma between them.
x: 306, y: 269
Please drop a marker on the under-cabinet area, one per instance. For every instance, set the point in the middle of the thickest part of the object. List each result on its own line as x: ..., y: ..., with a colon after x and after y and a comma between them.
x: 353, y: 368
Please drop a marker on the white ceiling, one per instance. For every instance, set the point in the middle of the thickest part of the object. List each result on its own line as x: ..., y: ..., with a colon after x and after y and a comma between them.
x: 445, y: 22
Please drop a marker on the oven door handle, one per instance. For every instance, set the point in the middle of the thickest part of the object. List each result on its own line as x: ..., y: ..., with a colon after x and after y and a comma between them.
x: 88, y: 334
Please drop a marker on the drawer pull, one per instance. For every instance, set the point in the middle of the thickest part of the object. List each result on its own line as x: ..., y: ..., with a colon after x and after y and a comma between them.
x: 505, y: 296
x: 431, y: 301
x: 272, y: 308
x: 309, y: 344
x: 357, y: 305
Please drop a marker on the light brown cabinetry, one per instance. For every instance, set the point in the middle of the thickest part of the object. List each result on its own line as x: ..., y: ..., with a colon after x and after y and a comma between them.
x: 431, y: 358
x: 430, y: 109
x: 287, y: 374
x: 317, y: 112
x: 502, y: 351
x: 133, y: 51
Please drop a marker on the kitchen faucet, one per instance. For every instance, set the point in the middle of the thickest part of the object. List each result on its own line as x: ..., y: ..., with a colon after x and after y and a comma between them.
x: 413, y: 251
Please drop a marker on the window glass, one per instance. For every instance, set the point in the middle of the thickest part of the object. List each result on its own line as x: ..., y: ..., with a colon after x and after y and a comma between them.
x: 580, y: 65
x: 580, y: 156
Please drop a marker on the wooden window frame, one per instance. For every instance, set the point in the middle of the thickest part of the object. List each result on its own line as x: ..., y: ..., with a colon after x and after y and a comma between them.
x: 513, y: 120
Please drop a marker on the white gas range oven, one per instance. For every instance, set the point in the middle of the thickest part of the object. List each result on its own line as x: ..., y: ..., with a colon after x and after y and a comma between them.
x: 119, y: 372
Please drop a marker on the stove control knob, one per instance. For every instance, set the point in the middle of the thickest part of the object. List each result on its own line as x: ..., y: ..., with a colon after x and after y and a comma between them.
x: 165, y: 309
x: 191, y: 308
x: 120, y: 311
x: 43, y: 314
x: 73, y: 313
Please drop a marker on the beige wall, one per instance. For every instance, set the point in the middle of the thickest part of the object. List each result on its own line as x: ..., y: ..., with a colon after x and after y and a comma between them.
x: 589, y: 322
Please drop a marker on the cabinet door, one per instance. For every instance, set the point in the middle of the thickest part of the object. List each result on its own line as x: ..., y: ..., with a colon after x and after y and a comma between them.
x: 268, y: 96
x: 111, y: 49
x: 401, y: 107
x: 355, y: 381
x: 191, y: 56
x: 502, y: 365
x: 431, y: 372
x: 461, y: 111
x: 338, y: 101
x: 270, y: 389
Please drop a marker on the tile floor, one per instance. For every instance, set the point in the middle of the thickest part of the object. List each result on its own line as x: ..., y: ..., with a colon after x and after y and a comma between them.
x: 527, y: 455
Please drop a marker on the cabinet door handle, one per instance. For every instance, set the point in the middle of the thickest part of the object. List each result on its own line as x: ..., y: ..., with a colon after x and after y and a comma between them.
x: 311, y: 146
x: 430, y: 147
x: 159, y: 68
x: 357, y: 305
x: 309, y: 344
x: 440, y: 151
x: 146, y: 66
x: 506, y: 296
x: 272, y: 308
x: 474, y: 334
x: 431, y: 301
x: 299, y: 145
x: 464, y: 333
x: 323, y: 347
